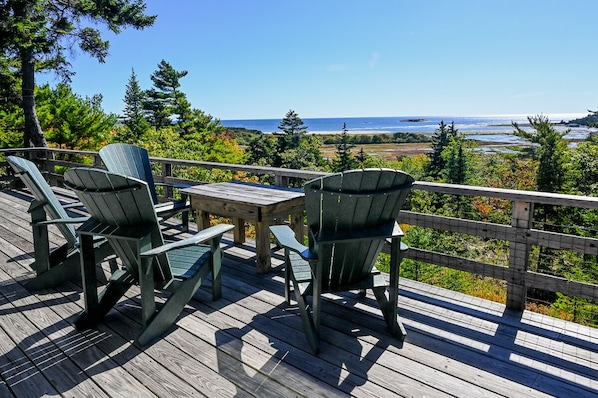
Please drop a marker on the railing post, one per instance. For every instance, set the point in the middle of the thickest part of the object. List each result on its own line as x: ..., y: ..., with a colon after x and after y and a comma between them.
x: 167, y: 172
x: 519, y: 255
x: 97, y: 161
x: 45, y: 167
x: 281, y: 181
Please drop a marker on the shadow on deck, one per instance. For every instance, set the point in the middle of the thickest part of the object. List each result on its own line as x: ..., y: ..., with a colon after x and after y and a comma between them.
x: 250, y: 343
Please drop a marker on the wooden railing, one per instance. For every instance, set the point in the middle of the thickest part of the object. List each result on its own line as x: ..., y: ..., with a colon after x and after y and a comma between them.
x: 519, y: 233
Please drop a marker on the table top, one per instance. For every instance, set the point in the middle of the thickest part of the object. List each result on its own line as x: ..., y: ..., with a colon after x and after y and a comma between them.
x: 246, y: 193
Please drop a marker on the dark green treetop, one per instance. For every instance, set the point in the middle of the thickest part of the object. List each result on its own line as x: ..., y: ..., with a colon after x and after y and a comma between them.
x: 134, y: 118
x: 344, y: 160
x: 165, y: 99
x: 550, y: 152
x: 293, y: 128
x: 440, y: 140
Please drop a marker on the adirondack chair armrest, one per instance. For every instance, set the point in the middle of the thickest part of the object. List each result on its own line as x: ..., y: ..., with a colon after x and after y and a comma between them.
x: 285, y: 237
x: 73, y: 220
x: 200, y: 237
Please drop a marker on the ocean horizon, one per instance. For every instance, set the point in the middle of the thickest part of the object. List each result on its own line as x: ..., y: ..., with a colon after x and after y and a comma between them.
x: 500, y: 124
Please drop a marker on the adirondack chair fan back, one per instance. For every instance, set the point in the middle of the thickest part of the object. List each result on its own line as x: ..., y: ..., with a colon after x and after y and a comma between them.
x: 347, y: 215
x: 133, y: 161
x: 350, y: 216
x: 123, y: 203
x: 52, y: 265
x: 122, y: 211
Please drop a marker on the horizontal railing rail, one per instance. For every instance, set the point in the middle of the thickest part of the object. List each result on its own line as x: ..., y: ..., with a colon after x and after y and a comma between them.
x: 520, y: 234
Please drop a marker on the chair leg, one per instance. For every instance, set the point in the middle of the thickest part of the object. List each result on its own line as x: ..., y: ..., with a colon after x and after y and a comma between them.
x: 166, y: 316
x: 388, y: 304
x: 307, y: 319
x: 215, y: 265
x: 287, y: 276
x: 54, y: 276
x: 107, y: 299
x: 65, y: 265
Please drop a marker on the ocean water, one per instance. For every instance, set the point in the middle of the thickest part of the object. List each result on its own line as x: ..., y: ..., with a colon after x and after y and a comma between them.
x: 489, y: 126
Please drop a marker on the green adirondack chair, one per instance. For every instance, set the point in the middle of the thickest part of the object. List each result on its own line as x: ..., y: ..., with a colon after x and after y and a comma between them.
x: 350, y: 216
x: 133, y: 161
x: 122, y: 211
x: 53, y: 266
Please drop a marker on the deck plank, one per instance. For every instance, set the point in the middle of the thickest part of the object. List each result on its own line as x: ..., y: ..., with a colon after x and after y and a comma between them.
x: 250, y: 343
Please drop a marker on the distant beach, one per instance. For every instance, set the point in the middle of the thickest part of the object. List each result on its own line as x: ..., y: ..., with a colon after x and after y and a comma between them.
x: 494, y: 127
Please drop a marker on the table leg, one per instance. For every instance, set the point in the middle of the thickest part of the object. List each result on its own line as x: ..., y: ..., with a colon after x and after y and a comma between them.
x: 239, y: 231
x: 297, y: 225
x: 203, y: 220
x: 262, y: 243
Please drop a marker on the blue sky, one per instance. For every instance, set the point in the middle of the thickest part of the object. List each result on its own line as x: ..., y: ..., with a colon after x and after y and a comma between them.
x: 343, y: 58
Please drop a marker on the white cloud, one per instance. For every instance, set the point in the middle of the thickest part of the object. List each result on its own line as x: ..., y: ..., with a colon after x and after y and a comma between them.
x: 374, y: 59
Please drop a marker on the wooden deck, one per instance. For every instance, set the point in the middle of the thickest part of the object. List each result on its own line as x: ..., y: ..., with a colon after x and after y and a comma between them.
x: 250, y: 343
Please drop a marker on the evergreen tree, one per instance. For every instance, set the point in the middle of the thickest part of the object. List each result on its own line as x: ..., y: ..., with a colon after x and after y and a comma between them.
x: 550, y: 152
x: 551, y: 156
x: 440, y: 140
x: 73, y: 122
x: 38, y: 34
x: 293, y: 128
x: 263, y: 150
x: 165, y: 99
x: 456, y: 170
x: 134, y: 119
x: 344, y: 158
x: 362, y: 158
x: 292, y: 149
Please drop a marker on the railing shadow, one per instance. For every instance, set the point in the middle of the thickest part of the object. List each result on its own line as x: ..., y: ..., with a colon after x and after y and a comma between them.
x: 505, y: 345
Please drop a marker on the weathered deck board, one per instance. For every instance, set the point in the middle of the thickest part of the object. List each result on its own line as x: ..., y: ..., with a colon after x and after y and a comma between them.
x: 250, y: 343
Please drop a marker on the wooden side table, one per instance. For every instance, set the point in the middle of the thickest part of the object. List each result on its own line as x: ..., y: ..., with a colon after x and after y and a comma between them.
x: 264, y: 205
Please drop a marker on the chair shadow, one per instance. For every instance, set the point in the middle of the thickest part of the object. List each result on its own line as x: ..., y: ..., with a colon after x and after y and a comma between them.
x: 343, y: 362
x: 58, y: 349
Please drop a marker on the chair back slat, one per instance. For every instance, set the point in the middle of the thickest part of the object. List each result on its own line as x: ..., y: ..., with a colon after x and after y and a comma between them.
x: 124, y: 202
x: 344, y: 204
x: 130, y: 160
x: 30, y: 175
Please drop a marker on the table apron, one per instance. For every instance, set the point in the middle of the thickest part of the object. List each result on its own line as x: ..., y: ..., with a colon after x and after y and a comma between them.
x: 244, y: 211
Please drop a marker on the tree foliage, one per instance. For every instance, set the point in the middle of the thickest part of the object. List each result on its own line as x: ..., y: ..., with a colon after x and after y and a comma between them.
x: 134, y: 118
x: 344, y: 159
x: 549, y: 152
x: 37, y: 35
x: 165, y: 100
x: 440, y: 140
x: 293, y: 148
x: 72, y: 122
x: 293, y: 129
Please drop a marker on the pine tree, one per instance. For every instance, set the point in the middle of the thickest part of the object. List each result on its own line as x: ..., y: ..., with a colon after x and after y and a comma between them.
x: 440, y: 140
x: 293, y: 128
x: 344, y: 158
x: 165, y: 99
x: 134, y: 118
x: 550, y: 152
x: 362, y: 157
x: 456, y: 164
